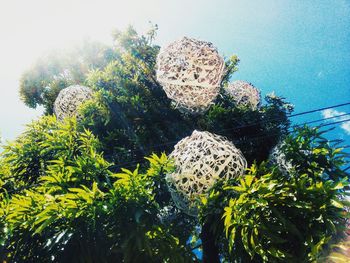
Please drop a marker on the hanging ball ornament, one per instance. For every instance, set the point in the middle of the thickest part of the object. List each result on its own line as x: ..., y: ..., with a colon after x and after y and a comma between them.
x: 69, y: 99
x: 190, y: 72
x: 200, y: 160
x: 244, y: 94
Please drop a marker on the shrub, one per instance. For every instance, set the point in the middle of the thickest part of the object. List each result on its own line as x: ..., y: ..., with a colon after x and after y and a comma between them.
x: 78, y: 209
x: 269, y: 217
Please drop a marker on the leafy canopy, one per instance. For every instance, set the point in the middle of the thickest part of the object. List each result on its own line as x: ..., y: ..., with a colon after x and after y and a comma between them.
x: 271, y: 217
x: 77, y: 209
x: 66, y: 195
x: 40, y: 85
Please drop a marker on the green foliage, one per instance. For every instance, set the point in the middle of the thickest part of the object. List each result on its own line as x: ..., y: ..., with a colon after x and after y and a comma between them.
x: 231, y: 66
x: 283, y: 219
x: 131, y: 114
x: 66, y: 195
x: 133, y: 117
x: 41, y: 84
x: 310, y: 152
x: 80, y: 211
x: 340, y: 253
x: 274, y: 218
x: 255, y: 133
x: 26, y: 158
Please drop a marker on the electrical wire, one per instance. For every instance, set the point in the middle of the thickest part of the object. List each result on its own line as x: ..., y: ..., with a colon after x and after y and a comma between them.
x: 320, y: 109
x: 128, y: 164
x: 253, y: 124
x: 124, y: 165
x: 328, y: 118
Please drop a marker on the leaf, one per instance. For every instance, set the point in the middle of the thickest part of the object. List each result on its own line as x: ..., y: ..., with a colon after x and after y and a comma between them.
x: 276, y: 253
x: 315, y: 249
x: 46, y: 223
x: 227, y: 222
x: 245, y: 238
x: 232, y: 238
x: 337, y: 204
x: 253, y: 238
x: 249, y: 180
x: 235, y: 188
x: 341, y: 184
x: 339, y: 258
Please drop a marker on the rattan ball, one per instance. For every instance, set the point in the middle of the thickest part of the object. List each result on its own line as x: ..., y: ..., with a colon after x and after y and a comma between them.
x: 201, y: 160
x: 244, y: 94
x: 69, y: 99
x: 190, y: 72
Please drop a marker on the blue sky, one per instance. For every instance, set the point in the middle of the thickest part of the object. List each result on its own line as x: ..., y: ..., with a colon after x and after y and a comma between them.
x: 299, y: 49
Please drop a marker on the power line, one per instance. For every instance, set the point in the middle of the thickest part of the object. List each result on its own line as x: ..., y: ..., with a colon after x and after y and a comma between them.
x: 252, y: 124
x: 290, y: 116
x: 320, y: 109
x: 258, y: 137
x: 251, y: 138
x: 299, y: 113
x: 123, y: 165
x: 336, y: 122
x: 328, y: 118
x: 136, y: 161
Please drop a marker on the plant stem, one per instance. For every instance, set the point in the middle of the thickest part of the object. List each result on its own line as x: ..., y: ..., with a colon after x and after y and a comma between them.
x: 210, y: 250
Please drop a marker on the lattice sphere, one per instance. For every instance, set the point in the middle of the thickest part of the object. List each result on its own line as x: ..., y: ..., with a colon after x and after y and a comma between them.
x: 244, y: 94
x: 190, y: 72
x: 190, y: 99
x: 277, y: 157
x: 200, y: 160
x: 69, y: 99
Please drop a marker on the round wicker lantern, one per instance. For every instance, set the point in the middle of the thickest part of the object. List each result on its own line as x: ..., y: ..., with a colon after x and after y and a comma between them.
x: 244, y: 94
x: 200, y: 160
x: 69, y: 99
x: 190, y: 72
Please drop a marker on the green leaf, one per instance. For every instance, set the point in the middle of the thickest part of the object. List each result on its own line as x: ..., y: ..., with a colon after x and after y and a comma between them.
x: 337, y: 204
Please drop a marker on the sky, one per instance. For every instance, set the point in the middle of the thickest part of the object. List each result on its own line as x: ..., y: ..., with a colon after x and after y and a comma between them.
x: 298, y: 49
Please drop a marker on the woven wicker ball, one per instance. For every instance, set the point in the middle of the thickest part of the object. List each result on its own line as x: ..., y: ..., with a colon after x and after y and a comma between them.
x: 190, y: 99
x: 244, y: 94
x: 190, y: 72
x: 200, y: 160
x: 69, y: 99
x: 277, y: 157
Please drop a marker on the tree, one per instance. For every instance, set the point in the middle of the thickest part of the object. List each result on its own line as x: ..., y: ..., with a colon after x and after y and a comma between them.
x: 40, y: 85
x: 272, y: 217
x: 67, y: 196
x: 132, y: 113
x: 75, y: 209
